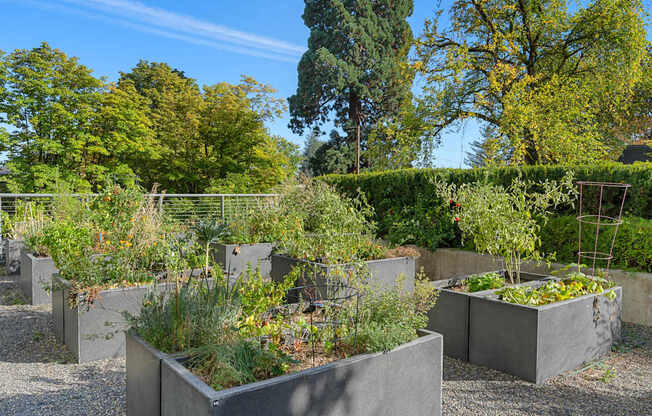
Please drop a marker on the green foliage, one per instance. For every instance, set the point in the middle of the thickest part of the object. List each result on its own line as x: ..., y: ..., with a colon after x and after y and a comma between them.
x: 66, y: 125
x: 486, y: 281
x: 551, y: 84
x: 632, y: 248
x: 310, y: 220
x: 156, y: 126
x: 389, y: 318
x: 407, y: 209
x: 575, y: 285
x: 353, y: 66
x: 505, y: 221
x: 238, y: 363
x: 188, y: 315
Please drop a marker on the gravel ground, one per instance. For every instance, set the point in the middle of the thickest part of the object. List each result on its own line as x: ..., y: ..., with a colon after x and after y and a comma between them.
x: 36, y: 373
x: 38, y: 378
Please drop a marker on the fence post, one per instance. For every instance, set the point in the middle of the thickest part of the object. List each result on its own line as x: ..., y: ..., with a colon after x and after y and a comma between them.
x: 223, y: 217
x: 160, y: 204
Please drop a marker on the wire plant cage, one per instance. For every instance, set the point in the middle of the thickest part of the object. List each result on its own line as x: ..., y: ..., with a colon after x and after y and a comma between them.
x: 322, y: 325
x: 606, y: 200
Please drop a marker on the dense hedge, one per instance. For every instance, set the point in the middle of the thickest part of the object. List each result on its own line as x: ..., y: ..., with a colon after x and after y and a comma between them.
x: 632, y: 248
x: 408, y: 211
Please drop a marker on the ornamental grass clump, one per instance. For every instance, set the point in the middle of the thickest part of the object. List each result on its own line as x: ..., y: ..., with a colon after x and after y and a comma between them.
x: 505, y: 222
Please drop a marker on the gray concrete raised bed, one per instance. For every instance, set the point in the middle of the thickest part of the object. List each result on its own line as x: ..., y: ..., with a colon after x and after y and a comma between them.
x: 404, y: 381
x: 11, y: 251
x: 36, y: 278
x: 143, y: 376
x: 537, y: 343
x: 384, y: 272
x: 450, y: 315
x: 237, y: 257
x: 94, y: 332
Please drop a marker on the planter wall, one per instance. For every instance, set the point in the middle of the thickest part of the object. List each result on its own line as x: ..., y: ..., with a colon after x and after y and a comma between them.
x: 36, y: 278
x: 536, y: 343
x: 404, y: 381
x: 383, y: 272
x: 450, y: 315
x: 96, y: 332
x: 11, y: 250
x: 237, y: 257
x: 143, y: 377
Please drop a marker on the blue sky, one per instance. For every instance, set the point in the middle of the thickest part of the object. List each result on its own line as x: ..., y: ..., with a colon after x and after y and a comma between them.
x: 212, y: 41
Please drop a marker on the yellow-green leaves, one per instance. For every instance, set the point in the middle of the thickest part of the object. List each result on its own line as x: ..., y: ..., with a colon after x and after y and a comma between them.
x: 550, y: 85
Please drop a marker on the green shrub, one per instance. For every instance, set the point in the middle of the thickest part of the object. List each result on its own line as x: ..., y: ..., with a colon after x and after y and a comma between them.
x: 632, y: 248
x: 405, y: 210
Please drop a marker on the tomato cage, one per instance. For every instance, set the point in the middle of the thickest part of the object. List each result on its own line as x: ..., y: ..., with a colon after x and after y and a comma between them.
x: 321, y: 326
x: 608, y: 199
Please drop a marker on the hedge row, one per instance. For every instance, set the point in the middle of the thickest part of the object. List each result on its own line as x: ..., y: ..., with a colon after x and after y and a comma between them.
x: 632, y: 248
x: 408, y: 210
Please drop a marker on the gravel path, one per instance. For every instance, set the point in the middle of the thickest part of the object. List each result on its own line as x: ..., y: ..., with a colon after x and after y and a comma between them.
x: 36, y: 374
x: 38, y: 378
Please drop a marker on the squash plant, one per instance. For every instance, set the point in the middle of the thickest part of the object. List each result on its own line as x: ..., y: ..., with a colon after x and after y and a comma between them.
x: 505, y: 222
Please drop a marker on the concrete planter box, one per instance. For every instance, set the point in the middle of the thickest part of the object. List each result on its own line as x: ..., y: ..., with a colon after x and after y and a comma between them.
x: 36, y: 278
x: 143, y: 376
x: 11, y: 250
x: 237, y: 257
x: 383, y: 272
x: 450, y: 315
x: 96, y: 332
x: 537, y: 343
x: 404, y: 381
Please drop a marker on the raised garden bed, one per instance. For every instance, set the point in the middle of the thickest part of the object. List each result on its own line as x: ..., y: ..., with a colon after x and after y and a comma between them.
x: 383, y: 272
x: 404, y: 381
x: 94, y: 332
x: 450, y: 315
x: 36, y: 278
x: 143, y: 376
x: 11, y: 250
x: 539, y: 342
x: 236, y: 258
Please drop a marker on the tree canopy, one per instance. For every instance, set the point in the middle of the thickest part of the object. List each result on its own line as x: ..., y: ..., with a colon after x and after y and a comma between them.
x: 155, y: 126
x: 552, y: 84
x: 351, y: 72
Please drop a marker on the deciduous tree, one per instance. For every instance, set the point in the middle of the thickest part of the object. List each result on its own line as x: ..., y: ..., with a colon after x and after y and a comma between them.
x: 553, y: 83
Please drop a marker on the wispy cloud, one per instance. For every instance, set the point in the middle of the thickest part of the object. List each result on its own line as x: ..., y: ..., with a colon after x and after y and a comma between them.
x: 160, y: 22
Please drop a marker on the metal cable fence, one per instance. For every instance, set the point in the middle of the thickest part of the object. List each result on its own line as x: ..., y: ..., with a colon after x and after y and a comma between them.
x: 180, y: 207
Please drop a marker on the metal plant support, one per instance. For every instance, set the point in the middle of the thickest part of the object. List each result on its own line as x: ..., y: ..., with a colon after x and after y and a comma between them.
x: 600, y: 220
x: 324, y: 307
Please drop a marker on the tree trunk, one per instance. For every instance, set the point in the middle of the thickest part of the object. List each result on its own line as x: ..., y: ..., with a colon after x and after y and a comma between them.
x: 357, y: 128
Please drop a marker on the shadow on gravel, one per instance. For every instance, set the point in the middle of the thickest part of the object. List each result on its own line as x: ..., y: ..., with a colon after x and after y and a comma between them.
x: 102, y: 394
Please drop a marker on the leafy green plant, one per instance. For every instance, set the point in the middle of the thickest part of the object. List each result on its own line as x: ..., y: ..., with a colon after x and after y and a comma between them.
x: 486, y: 281
x: 391, y: 317
x: 575, y: 285
x: 505, y: 221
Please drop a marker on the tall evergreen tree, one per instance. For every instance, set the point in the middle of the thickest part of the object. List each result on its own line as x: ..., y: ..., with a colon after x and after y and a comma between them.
x: 352, y: 71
